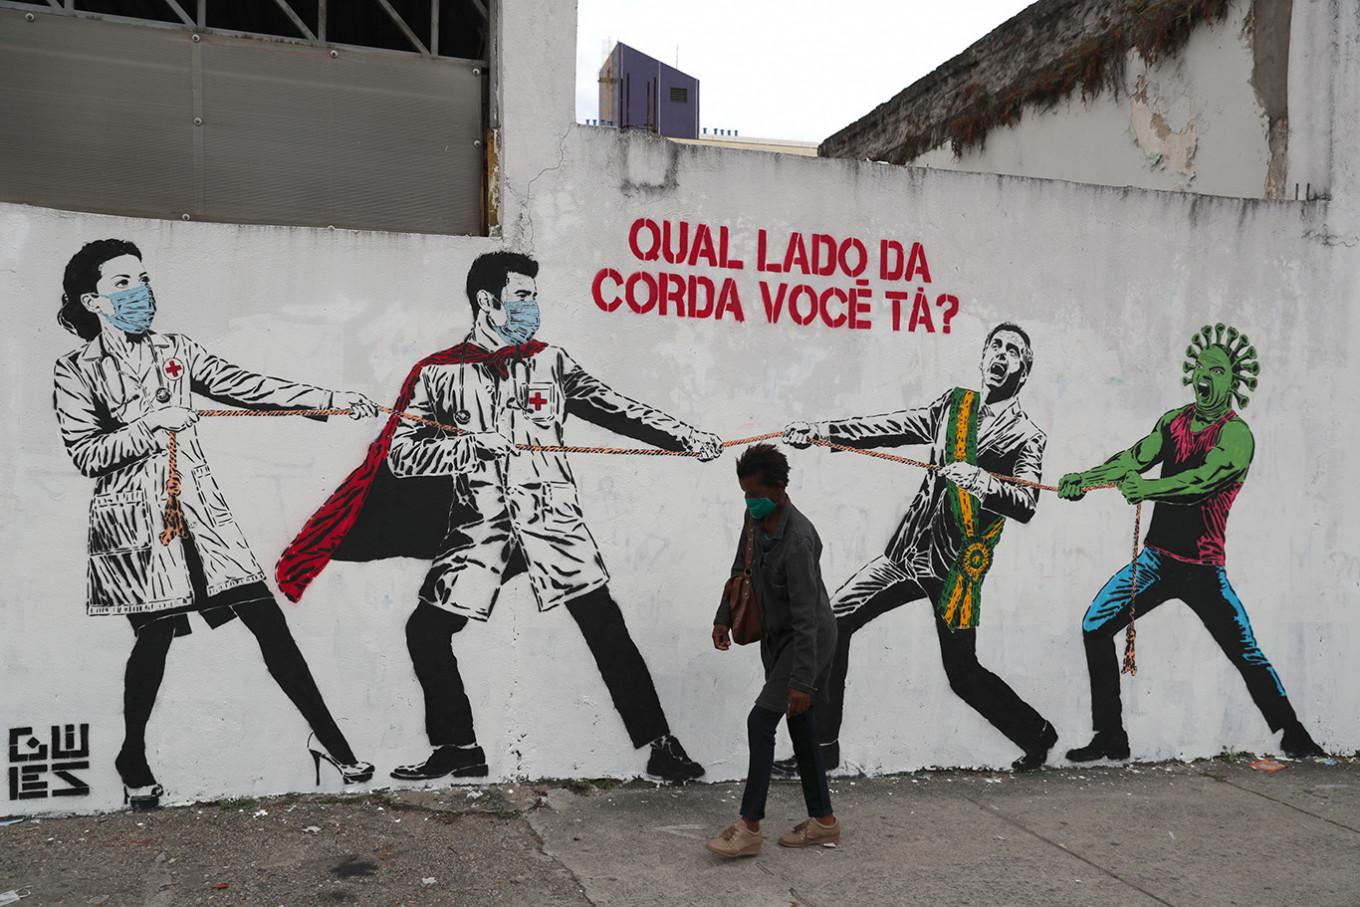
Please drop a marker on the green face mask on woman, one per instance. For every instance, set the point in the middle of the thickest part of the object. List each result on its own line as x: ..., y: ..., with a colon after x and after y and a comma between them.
x: 759, y: 508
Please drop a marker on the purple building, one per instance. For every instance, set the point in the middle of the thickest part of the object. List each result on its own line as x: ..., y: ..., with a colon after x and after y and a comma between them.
x: 641, y: 92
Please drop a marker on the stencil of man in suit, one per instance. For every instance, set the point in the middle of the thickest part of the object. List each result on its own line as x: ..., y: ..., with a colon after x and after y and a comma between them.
x: 945, y: 542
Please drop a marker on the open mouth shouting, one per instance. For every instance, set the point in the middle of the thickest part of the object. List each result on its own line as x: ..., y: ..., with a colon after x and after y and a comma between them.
x: 1204, y: 388
x: 997, y: 371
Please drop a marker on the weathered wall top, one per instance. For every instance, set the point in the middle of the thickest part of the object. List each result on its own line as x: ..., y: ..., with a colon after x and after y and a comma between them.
x: 1035, y: 59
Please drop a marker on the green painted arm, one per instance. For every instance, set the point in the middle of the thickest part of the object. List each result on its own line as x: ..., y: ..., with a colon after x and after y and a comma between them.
x: 1224, y: 466
x: 1141, y: 456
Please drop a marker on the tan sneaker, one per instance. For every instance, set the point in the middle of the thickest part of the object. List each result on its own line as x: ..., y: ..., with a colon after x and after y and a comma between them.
x: 736, y: 840
x: 811, y: 833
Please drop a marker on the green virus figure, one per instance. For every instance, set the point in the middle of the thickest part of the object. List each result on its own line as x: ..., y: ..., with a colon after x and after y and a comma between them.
x: 1205, y: 450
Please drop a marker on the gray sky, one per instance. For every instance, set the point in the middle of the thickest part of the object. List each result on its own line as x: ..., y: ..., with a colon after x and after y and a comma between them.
x: 787, y: 69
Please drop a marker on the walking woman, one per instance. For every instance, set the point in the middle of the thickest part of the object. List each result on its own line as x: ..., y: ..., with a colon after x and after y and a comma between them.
x: 798, y: 640
x: 117, y: 399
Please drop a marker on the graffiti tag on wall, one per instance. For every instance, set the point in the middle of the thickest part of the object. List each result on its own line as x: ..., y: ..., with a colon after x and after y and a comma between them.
x: 41, y: 767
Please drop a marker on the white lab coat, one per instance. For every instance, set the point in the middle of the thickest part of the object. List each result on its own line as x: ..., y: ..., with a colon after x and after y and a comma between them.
x: 525, y: 504
x: 99, y: 402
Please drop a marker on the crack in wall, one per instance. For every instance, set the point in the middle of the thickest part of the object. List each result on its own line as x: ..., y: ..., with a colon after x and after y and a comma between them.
x: 524, y: 220
x: 1328, y: 238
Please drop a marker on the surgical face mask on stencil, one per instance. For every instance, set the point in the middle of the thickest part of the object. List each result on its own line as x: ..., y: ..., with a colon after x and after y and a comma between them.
x: 133, y: 309
x: 521, y: 322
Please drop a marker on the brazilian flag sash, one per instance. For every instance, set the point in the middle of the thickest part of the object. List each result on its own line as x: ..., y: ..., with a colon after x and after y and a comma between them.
x: 961, y: 599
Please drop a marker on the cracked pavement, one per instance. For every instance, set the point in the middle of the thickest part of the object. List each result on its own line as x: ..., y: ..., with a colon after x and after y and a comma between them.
x: 1204, y: 834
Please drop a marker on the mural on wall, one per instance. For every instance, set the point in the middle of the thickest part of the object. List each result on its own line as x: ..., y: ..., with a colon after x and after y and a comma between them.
x: 1205, y: 450
x: 476, y: 480
x: 944, y: 544
x: 123, y: 406
x: 470, y: 474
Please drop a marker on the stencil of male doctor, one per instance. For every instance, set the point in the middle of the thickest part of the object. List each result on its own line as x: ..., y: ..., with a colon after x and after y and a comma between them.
x: 519, y: 510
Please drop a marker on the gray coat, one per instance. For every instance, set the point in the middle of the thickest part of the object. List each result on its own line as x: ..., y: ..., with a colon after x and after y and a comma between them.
x: 798, y: 630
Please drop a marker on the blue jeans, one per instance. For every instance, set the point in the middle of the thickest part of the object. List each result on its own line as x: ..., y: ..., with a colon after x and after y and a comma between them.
x: 1206, y: 590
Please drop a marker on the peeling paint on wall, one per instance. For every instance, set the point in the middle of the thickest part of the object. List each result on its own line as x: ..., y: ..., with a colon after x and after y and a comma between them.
x: 1267, y: 26
x: 1210, y: 118
x: 1164, y: 127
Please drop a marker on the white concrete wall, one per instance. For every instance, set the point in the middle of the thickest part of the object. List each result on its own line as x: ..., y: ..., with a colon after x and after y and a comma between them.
x: 1191, y: 123
x: 1109, y: 282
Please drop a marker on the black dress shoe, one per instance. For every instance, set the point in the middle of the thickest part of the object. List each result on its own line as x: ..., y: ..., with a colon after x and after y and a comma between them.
x: 1034, y: 759
x: 1102, y: 746
x: 670, y: 763
x: 787, y: 769
x: 1297, y: 743
x: 458, y: 761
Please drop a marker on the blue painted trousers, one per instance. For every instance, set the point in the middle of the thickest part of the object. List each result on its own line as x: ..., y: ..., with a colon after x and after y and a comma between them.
x: 1206, y: 590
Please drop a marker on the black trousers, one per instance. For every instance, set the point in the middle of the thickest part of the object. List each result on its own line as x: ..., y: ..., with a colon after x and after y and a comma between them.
x: 879, y: 589
x: 448, y: 713
x: 146, y: 669
x: 760, y: 725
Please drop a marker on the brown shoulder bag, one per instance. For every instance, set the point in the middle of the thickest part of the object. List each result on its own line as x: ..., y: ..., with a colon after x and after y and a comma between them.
x: 741, y: 596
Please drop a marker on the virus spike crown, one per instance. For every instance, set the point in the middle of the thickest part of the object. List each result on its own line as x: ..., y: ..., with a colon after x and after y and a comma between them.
x: 1245, y: 365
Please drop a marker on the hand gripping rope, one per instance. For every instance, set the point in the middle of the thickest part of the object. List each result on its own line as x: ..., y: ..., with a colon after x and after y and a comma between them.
x: 174, y: 515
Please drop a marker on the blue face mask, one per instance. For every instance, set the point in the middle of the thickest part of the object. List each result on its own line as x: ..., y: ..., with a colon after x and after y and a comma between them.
x: 521, y: 320
x: 133, y: 309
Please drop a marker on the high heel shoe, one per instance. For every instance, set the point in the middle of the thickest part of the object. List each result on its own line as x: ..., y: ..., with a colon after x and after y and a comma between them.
x: 350, y: 773
x: 148, y: 797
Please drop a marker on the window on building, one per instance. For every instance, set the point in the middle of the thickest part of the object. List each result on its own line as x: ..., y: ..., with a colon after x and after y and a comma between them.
x: 679, y: 95
x: 370, y: 114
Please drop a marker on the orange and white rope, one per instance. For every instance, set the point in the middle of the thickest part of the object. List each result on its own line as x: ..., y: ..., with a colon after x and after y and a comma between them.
x: 174, y: 515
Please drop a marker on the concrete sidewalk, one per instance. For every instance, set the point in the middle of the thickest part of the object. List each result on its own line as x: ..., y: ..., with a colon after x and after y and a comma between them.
x: 1205, y: 834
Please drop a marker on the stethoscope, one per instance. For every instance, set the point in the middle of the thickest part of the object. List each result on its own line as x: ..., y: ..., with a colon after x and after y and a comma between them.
x: 162, y: 392
x: 462, y: 416
x: 518, y: 369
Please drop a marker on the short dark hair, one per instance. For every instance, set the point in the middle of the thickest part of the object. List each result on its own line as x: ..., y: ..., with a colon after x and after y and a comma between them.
x: 765, y: 461
x: 82, y: 276
x: 1027, y: 355
x: 490, y: 272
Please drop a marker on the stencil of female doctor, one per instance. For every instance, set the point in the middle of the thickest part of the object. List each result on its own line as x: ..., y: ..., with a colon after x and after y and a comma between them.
x: 117, y: 398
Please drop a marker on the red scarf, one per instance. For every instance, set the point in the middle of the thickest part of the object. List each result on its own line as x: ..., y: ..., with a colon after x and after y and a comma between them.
x: 313, y: 547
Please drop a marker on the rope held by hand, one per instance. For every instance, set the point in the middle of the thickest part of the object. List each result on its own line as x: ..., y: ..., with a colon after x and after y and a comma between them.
x: 633, y: 451
x: 174, y: 514
x: 558, y: 448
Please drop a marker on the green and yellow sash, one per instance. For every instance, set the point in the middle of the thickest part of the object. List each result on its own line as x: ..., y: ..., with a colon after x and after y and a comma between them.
x: 961, y: 599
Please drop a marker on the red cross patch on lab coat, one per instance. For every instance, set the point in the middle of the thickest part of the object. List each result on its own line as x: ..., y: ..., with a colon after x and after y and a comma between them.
x: 540, y: 401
